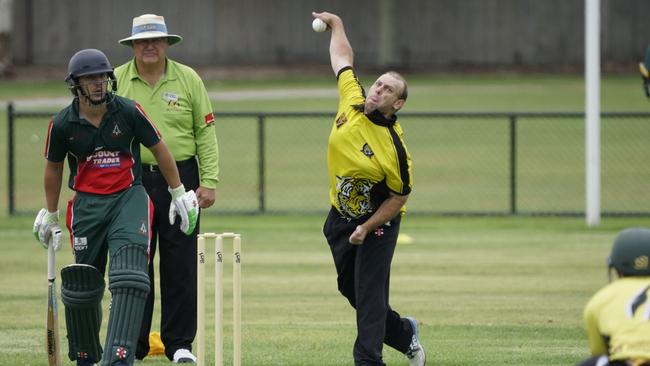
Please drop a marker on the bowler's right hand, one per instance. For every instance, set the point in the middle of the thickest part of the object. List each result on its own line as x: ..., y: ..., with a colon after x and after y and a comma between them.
x: 46, y: 229
x: 328, y: 18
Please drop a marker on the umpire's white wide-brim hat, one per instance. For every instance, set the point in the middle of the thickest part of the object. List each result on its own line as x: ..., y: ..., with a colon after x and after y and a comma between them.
x: 148, y: 26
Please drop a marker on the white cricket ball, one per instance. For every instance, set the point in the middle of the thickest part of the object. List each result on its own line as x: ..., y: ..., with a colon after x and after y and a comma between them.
x: 318, y: 25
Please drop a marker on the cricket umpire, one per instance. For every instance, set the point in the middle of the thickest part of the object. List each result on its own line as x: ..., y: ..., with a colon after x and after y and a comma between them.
x: 174, y: 96
x: 370, y: 176
x: 110, y: 215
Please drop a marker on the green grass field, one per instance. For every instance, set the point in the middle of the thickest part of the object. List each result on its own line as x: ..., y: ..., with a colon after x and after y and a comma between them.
x: 489, y: 291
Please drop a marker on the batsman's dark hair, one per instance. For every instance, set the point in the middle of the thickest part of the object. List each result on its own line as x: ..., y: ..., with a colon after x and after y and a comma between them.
x: 405, y: 92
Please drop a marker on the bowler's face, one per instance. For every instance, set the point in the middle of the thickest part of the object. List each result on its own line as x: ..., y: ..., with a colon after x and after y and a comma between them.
x: 384, y: 95
x: 150, y: 51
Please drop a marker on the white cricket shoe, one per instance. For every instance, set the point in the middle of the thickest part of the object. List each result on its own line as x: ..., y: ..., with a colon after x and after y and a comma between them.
x: 183, y: 355
x: 415, y: 353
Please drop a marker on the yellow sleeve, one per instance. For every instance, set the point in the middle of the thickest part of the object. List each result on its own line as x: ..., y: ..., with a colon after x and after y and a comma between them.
x: 596, y: 341
x: 350, y: 90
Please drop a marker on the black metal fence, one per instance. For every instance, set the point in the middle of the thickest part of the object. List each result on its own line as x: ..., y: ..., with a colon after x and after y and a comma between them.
x: 463, y: 163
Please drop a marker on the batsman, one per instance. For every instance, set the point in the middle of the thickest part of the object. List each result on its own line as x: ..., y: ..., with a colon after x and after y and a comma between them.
x: 110, y: 215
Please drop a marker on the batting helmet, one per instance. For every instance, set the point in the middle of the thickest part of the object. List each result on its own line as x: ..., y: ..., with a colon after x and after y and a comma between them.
x: 89, y: 62
x: 631, y: 252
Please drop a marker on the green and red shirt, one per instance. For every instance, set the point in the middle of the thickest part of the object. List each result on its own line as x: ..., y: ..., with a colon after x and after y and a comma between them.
x: 105, y: 159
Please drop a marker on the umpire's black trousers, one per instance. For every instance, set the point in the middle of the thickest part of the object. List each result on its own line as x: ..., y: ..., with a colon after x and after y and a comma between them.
x: 363, y: 278
x: 177, y: 255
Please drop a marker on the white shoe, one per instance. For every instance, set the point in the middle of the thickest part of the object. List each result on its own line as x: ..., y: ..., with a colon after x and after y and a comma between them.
x: 415, y: 353
x: 183, y: 355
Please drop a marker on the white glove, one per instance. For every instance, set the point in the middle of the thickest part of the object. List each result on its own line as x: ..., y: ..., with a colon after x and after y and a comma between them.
x: 185, y: 205
x: 46, y: 229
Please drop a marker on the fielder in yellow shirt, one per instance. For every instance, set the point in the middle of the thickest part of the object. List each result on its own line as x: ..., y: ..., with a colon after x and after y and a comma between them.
x: 370, y: 179
x: 617, y: 318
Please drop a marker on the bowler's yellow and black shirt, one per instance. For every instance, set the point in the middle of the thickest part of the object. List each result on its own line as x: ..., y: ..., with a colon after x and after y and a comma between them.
x: 366, y: 156
x: 617, y: 320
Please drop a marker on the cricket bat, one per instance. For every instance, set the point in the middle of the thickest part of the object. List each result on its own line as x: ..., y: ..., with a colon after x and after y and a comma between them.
x: 52, y: 337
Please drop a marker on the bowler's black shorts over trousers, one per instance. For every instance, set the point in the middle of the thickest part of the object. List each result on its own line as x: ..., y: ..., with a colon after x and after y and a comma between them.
x: 363, y: 278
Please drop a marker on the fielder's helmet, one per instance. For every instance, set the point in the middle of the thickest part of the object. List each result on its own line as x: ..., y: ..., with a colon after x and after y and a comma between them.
x: 631, y: 252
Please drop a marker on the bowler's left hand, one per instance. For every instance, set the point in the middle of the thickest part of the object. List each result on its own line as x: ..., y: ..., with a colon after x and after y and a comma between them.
x: 358, y: 235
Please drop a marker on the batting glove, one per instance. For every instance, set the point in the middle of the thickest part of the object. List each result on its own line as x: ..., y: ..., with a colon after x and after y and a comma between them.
x: 46, y: 229
x: 185, y: 205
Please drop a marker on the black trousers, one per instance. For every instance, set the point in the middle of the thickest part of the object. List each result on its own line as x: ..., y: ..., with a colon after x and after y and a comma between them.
x: 363, y: 278
x: 177, y: 266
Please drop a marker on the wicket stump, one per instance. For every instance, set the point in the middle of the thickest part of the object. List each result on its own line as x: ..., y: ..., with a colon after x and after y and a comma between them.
x: 218, y: 298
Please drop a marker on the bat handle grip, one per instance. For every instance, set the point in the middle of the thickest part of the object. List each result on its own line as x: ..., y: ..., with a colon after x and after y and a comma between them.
x: 50, y: 262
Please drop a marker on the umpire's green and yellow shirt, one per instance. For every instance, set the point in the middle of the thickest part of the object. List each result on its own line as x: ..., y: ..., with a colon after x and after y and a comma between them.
x: 617, y: 319
x: 102, y: 160
x: 366, y: 156
x: 182, y: 111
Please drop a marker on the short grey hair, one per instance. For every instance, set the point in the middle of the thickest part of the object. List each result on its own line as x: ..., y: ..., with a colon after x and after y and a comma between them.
x: 405, y: 92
